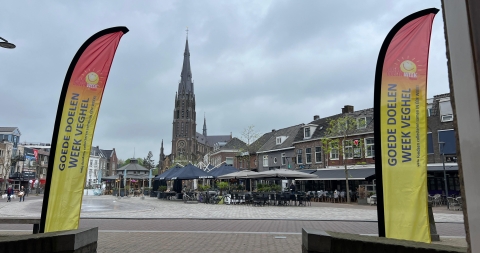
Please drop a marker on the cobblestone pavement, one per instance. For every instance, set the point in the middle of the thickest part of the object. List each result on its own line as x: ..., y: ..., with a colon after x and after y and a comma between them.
x: 110, y: 207
x: 152, y: 225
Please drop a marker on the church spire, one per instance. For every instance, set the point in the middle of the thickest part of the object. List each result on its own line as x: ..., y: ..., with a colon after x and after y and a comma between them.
x: 161, y: 158
x: 204, y: 125
x: 186, y: 84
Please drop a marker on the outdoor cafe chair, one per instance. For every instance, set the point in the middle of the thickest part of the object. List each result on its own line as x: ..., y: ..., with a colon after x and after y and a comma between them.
x: 437, y: 199
x: 453, y: 204
x: 320, y: 195
x: 459, y: 201
x: 301, y: 198
x: 248, y: 199
x: 235, y: 199
x: 342, y: 197
x: 327, y: 196
x: 257, y: 200
x: 335, y: 197
x: 285, y: 199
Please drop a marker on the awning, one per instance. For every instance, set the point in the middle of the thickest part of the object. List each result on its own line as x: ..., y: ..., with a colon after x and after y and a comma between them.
x: 188, y: 172
x: 284, y: 173
x: 166, y: 173
x: 240, y: 174
x: 439, y: 167
x: 339, y: 174
x: 222, y: 170
x: 114, y: 177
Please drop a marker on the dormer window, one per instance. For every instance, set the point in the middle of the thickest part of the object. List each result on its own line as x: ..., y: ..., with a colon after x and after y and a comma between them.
x: 280, y: 139
x: 446, y: 112
x: 363, y: 122
x: 307, y: 132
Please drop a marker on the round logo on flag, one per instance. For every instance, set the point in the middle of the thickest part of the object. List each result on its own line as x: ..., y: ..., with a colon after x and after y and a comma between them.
x: 92, y: 78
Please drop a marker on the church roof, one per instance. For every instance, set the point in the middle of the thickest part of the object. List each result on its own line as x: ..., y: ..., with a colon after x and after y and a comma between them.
x: 210, y: 140
x: 186, y: 84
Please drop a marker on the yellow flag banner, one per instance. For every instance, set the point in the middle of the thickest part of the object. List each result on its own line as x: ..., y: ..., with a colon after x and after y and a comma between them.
x: 401, y: 129
x: 77, y: 113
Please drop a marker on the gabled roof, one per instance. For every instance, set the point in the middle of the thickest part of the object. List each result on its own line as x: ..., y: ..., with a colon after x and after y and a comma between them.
x: 107, y: 153
x: 289, y: 133
x: 258, y: 144
x: 234, y: 143
x: 132, y: 166
x: 9, y: 130
x: 323, y: 124
x: 95, y: 151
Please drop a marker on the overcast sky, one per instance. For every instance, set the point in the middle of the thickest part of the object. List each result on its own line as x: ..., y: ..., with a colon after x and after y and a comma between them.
x: 271, y: 64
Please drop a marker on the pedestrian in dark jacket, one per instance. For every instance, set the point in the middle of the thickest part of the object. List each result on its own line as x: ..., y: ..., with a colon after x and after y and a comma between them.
x: 9, y: 194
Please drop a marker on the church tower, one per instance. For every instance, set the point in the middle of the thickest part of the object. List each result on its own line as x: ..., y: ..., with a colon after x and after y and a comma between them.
x: 184, y: 115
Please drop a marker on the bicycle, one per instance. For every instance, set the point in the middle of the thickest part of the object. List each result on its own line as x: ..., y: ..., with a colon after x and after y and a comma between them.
x: 189, y: 196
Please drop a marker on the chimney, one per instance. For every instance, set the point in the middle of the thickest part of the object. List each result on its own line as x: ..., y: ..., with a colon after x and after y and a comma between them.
x: 347, y: 109
x: 273, y: 130
x: 315, y: 117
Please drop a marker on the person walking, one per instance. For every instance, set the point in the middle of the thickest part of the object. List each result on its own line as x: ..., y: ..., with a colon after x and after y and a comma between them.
x: 21, y: 194
x: 9, y: 193
x: 292, y: 188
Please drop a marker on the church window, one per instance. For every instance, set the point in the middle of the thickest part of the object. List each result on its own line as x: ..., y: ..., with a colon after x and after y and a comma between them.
x: 187, y: 114
x: 182, y: 114
x: 178, y: 114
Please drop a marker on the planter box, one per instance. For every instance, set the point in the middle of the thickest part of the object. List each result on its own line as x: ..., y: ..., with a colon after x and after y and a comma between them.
x: 362, y: 202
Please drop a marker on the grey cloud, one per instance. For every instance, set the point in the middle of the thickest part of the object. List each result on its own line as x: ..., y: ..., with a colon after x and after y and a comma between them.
x: 272, y: 64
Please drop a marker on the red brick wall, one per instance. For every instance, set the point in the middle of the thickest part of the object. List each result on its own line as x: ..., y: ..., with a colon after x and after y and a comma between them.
x: 317, y: 143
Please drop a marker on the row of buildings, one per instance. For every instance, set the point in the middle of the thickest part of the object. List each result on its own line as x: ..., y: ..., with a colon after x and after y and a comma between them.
x: 300, y: 146
x: 303, y: 146
x: 24, y: 163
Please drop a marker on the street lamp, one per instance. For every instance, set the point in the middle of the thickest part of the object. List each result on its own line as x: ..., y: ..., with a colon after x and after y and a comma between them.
x: 442, y: 144
x: 6, y: 44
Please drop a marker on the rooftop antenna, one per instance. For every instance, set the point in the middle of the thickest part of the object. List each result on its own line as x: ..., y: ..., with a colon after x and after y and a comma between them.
x: 187, y: 32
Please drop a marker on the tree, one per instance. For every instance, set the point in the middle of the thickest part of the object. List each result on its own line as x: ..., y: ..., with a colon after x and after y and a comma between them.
x: 148, y: 162
x: 338, y: 142
x: 249, y: 136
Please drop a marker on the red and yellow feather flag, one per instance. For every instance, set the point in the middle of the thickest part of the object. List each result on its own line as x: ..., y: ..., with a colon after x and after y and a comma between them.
x: 77, y: 113
x: 401, y: 129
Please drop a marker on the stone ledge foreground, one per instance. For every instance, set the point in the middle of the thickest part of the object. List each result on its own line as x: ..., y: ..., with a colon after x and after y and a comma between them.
x: 82, y: 240
x: 318, y: 241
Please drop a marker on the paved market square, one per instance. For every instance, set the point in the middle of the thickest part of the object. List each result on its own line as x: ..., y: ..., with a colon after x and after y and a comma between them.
x: 152, y: 225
